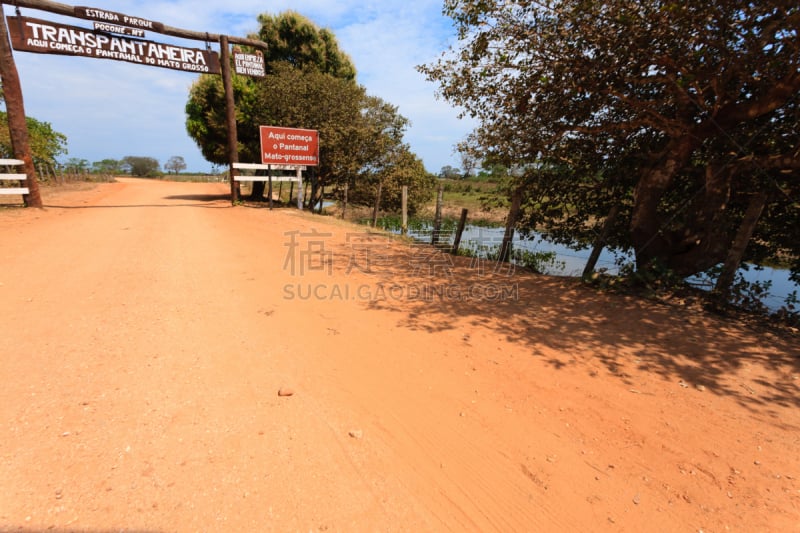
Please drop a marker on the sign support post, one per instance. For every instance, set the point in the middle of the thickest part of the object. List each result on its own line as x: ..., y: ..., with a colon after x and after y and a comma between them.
x: 18, y: 128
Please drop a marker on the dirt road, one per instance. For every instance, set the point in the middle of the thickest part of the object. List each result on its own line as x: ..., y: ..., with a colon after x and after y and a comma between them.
x: 146, y: 328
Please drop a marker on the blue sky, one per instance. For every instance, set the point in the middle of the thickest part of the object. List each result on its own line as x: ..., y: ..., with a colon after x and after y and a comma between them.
x: 112, y: 109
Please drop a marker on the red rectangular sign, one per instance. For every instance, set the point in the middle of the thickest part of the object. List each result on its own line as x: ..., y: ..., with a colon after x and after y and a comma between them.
x: 289, y: 146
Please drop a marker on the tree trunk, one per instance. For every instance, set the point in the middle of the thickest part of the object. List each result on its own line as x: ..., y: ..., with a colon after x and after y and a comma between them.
x: 258, y: 187
x: 17, y: 125
x: 703, y: 241
x: 314, y: 196
x: 740, y: 242
x: 377, y: 205
x: 344, y: 198
x: 462, y: 223
x: 648, y: 241
x: 600, y: 243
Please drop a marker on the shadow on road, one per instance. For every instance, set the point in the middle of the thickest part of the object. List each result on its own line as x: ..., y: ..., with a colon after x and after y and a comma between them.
x: 588, y: 329
x: 201, y: 197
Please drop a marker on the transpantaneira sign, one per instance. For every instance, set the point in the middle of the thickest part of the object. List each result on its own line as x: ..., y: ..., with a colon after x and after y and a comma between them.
x: 289, y: 146
x: 45, y: 37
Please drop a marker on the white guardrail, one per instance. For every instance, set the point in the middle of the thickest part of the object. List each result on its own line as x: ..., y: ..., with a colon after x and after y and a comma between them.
x: 12, y: 177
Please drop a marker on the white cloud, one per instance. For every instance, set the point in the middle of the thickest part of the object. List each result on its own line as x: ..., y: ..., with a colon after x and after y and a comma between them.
x: 113, y: 109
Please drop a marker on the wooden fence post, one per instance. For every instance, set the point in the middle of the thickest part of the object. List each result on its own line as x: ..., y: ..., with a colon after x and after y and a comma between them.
x: 404, y: 227
x: 437, y: 218
x: 299, y: 189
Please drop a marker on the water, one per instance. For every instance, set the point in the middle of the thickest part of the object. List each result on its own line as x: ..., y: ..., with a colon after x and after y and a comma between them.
x: 570, y: 262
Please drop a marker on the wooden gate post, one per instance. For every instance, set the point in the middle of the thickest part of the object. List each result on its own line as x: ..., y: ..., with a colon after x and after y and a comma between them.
x: 17, y: 126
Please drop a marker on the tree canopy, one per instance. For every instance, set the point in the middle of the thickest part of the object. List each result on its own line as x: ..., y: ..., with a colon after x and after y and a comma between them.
x: 294, y: 39
x: 677, y: 117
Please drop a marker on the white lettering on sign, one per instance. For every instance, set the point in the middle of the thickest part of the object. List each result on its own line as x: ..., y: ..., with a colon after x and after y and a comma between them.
x: 118, y: 18
x: 290, y: 158
x: 290, y: 137
x: 249, y: 64
x: 138, y: 23
x: 102, y: 15
x: 114, y: 28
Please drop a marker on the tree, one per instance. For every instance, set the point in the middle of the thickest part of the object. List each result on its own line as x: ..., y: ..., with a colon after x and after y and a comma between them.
x: 145, y: 167
x: 400, y: 168
x: 469, y: 163
x: 450, y: 173
x: 175, y: 164
x: 382, y: 157
x: 672, y: 115
x: 107, y: 166
x: 76, y: 165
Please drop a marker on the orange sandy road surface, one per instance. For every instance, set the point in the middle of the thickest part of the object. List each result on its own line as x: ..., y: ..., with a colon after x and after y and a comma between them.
x: 146, y: 328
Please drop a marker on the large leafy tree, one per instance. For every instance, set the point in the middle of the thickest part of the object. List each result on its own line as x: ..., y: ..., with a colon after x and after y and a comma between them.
x: 384, y: 159
x: 677, y: 118
x: 310, y: 83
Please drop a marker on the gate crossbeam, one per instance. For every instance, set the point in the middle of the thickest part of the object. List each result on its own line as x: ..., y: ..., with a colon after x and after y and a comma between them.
x: 67, y: 10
